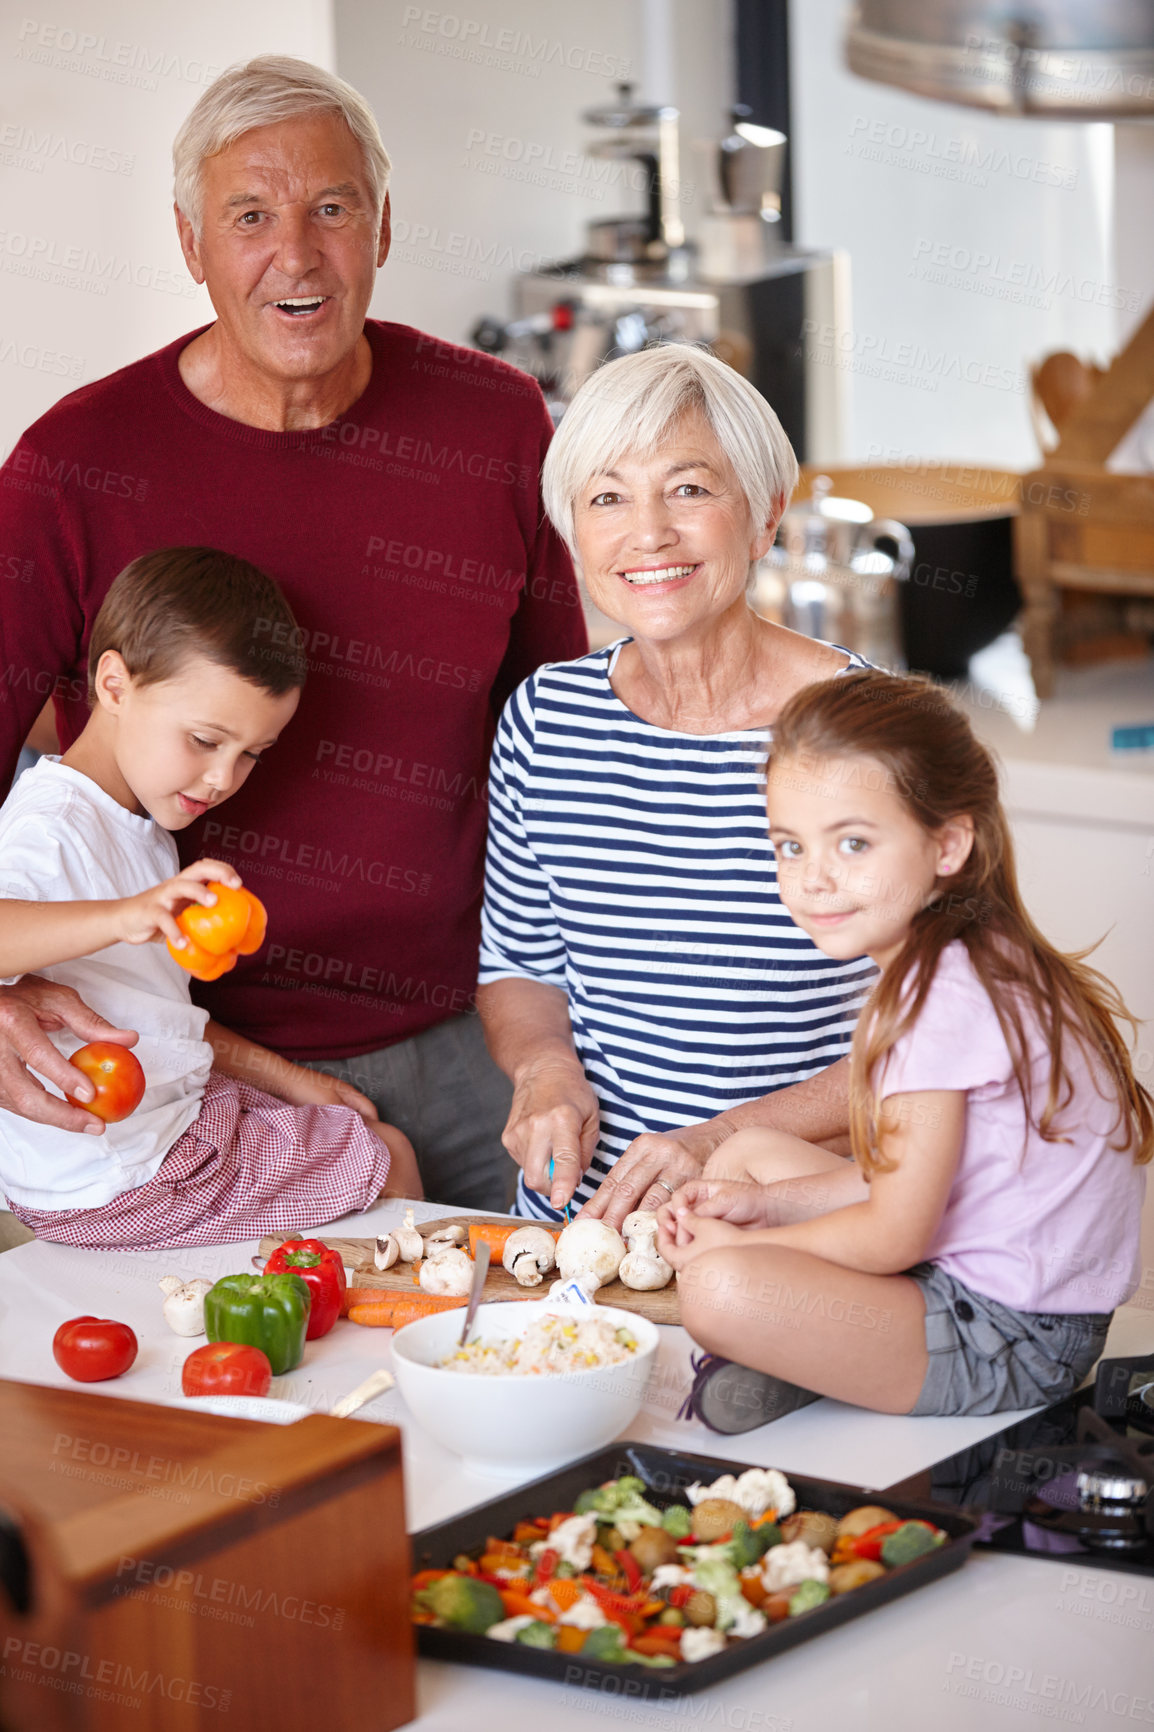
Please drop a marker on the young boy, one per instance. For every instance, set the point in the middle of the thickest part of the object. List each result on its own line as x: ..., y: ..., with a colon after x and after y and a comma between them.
x: 186, y: 696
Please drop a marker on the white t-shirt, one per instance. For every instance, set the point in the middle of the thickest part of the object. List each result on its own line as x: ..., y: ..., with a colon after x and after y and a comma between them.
x: 63, y: 839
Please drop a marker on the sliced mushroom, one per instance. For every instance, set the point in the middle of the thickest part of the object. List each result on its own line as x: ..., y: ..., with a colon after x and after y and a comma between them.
x: 387, y: 1251
x: 447, y: 1235
x: 409, y: 1242
x: 529, y: 1255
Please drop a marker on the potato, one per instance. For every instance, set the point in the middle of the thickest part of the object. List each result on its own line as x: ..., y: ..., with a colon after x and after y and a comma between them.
x: 854, y: 1575
x: 715, y: 1516
x: 700, y: 1608
x: 653, y: 1547
x: 811, y: 1525
x: 860, y: 1520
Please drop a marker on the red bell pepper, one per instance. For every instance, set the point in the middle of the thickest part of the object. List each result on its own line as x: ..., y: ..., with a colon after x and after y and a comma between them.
x: 546, y: 1567
x: 630, y: 1569
x: 324, y: 1274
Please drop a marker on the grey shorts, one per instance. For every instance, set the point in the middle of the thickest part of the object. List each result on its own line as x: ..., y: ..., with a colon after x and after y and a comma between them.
x: 987, y: 1358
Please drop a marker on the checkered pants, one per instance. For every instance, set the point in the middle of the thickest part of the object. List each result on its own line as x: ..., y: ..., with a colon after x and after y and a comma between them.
x: 249, y: 1165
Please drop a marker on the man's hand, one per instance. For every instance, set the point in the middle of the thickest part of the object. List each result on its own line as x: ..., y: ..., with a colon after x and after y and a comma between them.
x: 652, y: 1168
x: 150, y: 917
x: 29, y: 1011
x: 554, y: 1117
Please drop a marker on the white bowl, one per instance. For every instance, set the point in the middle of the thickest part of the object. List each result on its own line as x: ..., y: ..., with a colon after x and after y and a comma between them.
x: 506, y: 1426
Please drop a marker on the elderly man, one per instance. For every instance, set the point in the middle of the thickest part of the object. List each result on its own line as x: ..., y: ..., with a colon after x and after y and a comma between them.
x: 389, y: 481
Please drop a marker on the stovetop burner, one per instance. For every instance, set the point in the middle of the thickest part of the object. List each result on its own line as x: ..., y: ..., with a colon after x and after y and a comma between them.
x: 1074, y: 1481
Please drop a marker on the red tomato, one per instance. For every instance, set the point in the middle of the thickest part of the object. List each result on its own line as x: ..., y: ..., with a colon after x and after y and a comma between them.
x: 226, y: 1368
x: 116, y: 1074
x: 90, y: 1349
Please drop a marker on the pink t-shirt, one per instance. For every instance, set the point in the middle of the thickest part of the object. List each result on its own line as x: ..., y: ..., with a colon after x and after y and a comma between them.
x: 1050, y: 1227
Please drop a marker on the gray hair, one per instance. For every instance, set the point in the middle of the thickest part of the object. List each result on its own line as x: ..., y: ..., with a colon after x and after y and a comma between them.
x: 262, y: 92
x: 628, y: 407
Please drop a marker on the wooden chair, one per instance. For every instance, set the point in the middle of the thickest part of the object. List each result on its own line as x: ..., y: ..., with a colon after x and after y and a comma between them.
x: 1081, y: 526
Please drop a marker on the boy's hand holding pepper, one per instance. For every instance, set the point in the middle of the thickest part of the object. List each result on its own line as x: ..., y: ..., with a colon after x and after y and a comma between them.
x: 150, y: 917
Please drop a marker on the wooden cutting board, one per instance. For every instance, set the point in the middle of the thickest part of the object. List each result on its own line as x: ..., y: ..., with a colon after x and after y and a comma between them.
x: 357, y: 1254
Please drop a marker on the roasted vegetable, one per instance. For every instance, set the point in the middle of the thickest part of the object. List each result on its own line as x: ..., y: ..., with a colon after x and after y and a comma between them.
x: 605, y: 1643
x: 911, y: 1540
x: 537, y: 1635
x: 654, y: 1547
x: 860, y: 1520
x: 463, y: 1603
x: 700, y: 1608
x: 807, y: 1596
x: 619, y: 1501
x: 714, y: 1517
x: 845, y: 1577
x: 678, y: 1521
x: 811, y: 1525
x: 748, y: 1545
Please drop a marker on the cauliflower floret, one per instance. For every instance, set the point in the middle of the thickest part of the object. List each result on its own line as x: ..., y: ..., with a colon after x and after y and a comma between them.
x: 741, y: 1618
x: 700, y: 1644
x: 509, y: 1628
x: 572, y: 1540
x: 584, y: 1614
x: 787, y: 1565
x: 756, y: 1490
x: 670, y: 1576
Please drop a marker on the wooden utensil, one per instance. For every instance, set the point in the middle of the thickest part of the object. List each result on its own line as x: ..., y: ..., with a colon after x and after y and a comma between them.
x: 362, y: 1394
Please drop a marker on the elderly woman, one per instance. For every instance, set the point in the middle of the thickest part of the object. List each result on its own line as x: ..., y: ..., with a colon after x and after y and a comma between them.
x: 641, y: 982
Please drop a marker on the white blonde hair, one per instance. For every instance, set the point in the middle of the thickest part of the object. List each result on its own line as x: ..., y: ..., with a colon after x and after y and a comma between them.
x: 628, y: 408
x: 262, y: 92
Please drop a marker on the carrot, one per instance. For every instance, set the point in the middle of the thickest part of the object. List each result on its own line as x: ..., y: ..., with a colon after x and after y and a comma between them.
x: 494, y: 1234
x: 570, y: 1640
x: 424, y: 1577
x: 519, y: 1605
x: 654, y: 1642
x: 393, y: 1310
x: 753, y: 1588
x: 564, y: 1592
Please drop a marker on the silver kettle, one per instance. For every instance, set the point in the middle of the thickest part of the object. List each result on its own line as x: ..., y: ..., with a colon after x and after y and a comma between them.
x: 828, y: 576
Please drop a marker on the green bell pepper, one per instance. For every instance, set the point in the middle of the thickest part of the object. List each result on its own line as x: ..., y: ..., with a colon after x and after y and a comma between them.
x: 266, y: 1311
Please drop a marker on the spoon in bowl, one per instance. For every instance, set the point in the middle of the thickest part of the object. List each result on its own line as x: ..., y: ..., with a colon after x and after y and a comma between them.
x: 480, y: 1270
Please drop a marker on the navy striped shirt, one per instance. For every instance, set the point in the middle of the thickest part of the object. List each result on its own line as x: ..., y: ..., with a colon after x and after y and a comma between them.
x: 629, y: 865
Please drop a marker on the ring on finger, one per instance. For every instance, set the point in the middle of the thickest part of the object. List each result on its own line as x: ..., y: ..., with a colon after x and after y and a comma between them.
x: 665, y: 1185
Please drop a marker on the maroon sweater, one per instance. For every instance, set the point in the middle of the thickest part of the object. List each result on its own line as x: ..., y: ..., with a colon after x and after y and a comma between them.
x: 409, y: 540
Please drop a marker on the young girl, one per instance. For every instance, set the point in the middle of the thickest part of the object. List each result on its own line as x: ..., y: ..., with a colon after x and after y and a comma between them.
x: 229, y: 1141
x: 970, y: 1256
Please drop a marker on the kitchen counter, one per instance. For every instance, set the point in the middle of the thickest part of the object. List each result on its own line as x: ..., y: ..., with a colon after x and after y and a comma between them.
x: 1002, y: 1640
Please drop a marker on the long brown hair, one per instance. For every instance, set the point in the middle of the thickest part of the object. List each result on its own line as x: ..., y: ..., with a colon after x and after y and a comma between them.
x: 940, y: 771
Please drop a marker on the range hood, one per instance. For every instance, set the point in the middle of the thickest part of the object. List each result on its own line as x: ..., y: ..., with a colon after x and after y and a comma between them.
x: 1060, y: 59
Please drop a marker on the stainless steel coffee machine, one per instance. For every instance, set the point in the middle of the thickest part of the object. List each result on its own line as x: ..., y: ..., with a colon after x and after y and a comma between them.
x: 757, y: 301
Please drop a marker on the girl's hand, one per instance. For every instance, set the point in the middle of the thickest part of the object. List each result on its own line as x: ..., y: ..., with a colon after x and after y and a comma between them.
x: 685, y: 1238
x: 150, y: 917
x: 741, y: 1203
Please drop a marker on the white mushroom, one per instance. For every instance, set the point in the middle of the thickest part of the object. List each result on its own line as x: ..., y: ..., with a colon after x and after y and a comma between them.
x: 641, y: 1222
x: 409, y: 1242
x: 443, y: 1236
x: 387, y: 1251
x: 644, y: 1269
x: 529, y: 1255
x: 184, y: 1304
x: 451, y: 1273
x: 590, y: 1248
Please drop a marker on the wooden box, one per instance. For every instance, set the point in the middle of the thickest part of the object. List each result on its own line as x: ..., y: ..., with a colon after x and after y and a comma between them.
x: 164, y: 1569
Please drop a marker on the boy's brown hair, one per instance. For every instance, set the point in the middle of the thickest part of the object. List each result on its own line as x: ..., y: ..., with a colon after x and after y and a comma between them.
x: 183, y: 601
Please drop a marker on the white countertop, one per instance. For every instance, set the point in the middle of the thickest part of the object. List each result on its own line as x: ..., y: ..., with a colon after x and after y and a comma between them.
x: 1002, y: 1640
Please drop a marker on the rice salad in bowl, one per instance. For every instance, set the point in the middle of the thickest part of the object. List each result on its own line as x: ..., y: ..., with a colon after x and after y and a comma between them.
x: 551, y: 1343
x: 542, y: 1382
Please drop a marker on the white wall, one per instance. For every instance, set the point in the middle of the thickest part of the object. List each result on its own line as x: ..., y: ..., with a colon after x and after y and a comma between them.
x: 481, y: 111
x: 91, y: 275
x: 978, y: 244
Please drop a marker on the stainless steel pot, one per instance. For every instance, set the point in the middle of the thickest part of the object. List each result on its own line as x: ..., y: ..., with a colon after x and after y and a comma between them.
x: 829, y: 576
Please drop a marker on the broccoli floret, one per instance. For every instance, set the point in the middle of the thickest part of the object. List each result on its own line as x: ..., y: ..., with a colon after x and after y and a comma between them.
x: 605, y: 1643
x: 537, y: 1635
x: 747, y: 1545
x: 463, y: 1602
x: 619, y: 1500
x: 808, y: 1595
x: 912, y: 1540
x: 678, y: 1521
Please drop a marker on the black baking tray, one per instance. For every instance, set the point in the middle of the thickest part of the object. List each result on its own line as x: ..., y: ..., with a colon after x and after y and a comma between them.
x: 667, y: 1473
